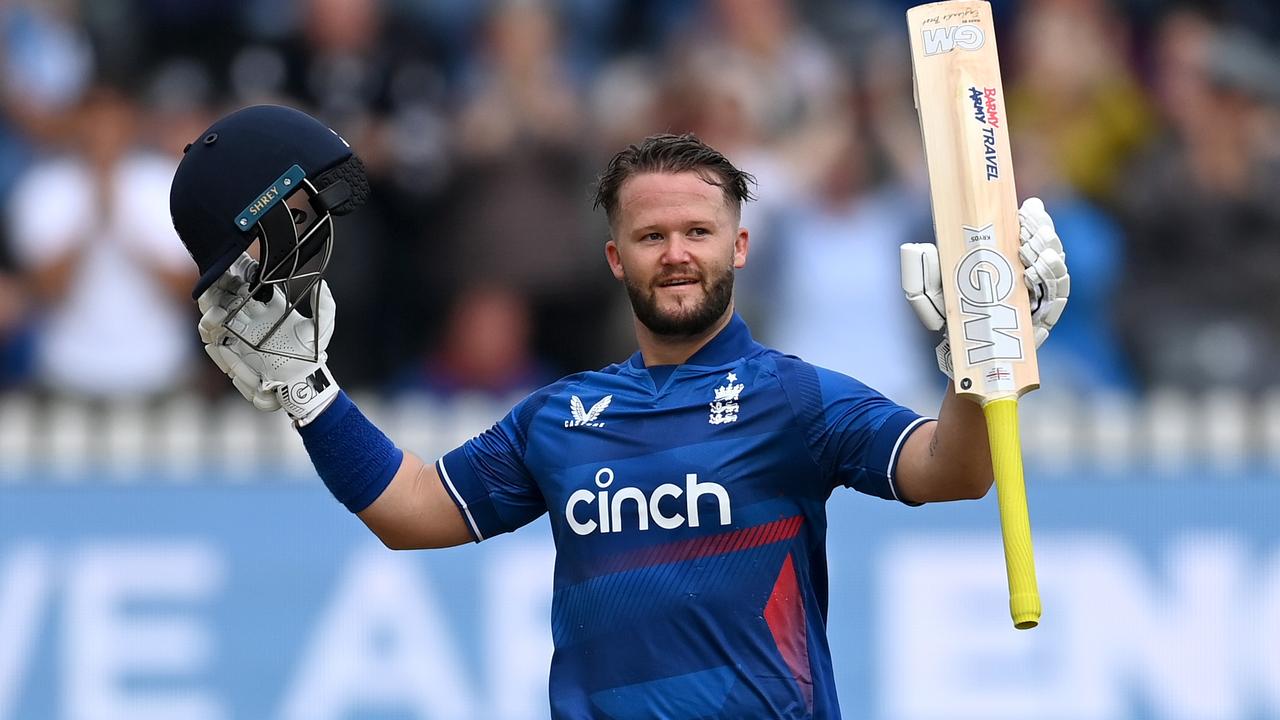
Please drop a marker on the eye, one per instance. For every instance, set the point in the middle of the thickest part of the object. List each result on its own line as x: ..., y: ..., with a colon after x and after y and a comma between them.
x: 652, y: 237
x: 699, y: 232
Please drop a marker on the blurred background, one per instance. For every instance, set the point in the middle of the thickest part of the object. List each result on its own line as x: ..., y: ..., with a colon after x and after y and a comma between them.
x: 165, y: 552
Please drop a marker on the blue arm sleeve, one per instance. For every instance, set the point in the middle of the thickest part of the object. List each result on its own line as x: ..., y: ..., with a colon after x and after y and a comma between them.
x: 355, y: 460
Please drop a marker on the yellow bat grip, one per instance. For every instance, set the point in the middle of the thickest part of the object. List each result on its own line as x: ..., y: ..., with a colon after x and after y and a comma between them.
x: 1015, y: 525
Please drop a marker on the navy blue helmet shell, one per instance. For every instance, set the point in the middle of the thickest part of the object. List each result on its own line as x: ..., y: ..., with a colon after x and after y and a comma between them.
x: 248, y: 163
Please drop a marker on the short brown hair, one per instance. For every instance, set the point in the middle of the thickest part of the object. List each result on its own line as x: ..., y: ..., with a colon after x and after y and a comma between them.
x: 672, y: 154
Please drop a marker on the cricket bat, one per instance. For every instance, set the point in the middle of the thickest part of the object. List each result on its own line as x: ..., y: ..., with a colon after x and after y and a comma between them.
x: 964, y: 125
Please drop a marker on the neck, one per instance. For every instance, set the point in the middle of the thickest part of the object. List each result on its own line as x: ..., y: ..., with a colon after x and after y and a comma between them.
x: 675, y: 349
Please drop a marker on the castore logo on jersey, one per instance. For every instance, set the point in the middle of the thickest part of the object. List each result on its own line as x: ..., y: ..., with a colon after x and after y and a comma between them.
x: 583, y: 417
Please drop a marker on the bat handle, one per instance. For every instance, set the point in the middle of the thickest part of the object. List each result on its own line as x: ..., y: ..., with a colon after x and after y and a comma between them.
x: 1015, y: 525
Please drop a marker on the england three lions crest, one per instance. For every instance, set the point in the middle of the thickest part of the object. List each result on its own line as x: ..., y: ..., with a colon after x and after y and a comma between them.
x: 725, y: 406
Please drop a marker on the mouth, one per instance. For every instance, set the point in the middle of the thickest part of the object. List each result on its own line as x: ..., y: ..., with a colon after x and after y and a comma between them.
x: 677, y: 282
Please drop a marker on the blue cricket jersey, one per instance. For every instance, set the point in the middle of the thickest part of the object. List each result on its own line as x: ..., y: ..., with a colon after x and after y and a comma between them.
x: 688, y: 508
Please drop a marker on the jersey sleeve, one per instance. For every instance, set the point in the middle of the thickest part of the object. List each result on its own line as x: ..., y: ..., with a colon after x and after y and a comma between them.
x: 854, y: 432
x: 489, y: 481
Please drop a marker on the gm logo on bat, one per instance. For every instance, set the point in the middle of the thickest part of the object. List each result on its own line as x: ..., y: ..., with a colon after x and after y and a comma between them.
x: 984, y: 281
x: 945, y: 39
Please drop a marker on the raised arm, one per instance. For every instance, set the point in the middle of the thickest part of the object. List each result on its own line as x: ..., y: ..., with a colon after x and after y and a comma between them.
x: 948, y: 459
x: 274, y: 178
x: 415, y: 510
x: 399, y: 497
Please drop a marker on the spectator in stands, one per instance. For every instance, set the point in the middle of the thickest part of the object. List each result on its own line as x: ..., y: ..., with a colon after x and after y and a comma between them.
x: 796, y: 73
x: 1072, y: 84
x: 363, y: 67
x: 838, y: 249
x: 516, y: 211
x: 1201, y: 214
x: 486, y: 350
x: 88, y: 236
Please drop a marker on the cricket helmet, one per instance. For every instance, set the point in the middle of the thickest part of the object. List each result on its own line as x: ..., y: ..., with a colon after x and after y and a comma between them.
x: 239, y: 183
x: 234, y: 180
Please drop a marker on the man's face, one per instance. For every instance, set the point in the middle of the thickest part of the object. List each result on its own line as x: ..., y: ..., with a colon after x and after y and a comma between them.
x: 675, y: 245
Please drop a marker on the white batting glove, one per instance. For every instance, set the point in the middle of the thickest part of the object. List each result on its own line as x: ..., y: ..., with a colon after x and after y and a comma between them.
x: 1045, y: 275
x: 304, y: 388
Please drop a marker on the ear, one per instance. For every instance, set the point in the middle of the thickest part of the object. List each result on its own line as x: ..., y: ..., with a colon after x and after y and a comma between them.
x: 614, y: 257
x: 741, y: 244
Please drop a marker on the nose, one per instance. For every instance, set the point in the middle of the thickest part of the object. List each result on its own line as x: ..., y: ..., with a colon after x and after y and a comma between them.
x: 676, y: 250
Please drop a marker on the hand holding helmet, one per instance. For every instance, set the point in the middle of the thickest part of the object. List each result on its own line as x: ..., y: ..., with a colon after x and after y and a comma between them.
x: 267, y: 325
x: 290, y: 372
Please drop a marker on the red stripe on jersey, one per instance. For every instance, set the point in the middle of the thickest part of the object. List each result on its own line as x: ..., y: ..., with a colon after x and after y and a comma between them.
x: 784, y: 614
x: 707, y: 546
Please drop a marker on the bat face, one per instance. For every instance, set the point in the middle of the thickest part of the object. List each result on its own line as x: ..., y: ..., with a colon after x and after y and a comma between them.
x: 960, y: 100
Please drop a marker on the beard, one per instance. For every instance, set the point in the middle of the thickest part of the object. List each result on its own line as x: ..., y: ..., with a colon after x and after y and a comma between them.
x: 686, y: 321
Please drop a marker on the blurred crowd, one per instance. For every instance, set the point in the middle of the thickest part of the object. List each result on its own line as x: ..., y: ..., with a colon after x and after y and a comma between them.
x: 1150, y: 129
